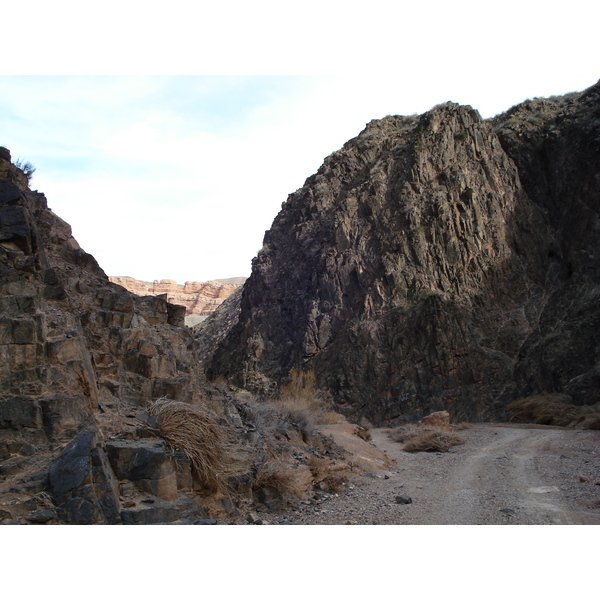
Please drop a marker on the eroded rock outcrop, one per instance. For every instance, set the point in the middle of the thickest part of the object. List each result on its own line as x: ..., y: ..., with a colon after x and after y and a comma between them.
x: 77, y: 353
x: 439, y: 262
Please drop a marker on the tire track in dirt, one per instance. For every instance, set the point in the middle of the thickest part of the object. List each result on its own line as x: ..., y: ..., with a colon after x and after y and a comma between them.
x: 494, y: 478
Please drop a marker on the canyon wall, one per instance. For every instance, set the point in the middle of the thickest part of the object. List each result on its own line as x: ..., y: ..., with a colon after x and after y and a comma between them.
x: 106, y: 416
x: 80, y: 356
x: 435, y: 262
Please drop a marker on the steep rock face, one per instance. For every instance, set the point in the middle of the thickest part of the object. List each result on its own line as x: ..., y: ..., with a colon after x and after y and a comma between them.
x: 417, y: 270
x: 68, y: 332
x: 199, y: 298
x: 555, y: 144
x: 76, y: 352
x: 209, y: 333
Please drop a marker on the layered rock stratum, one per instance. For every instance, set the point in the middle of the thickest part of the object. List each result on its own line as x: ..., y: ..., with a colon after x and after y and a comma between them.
x: 199, y: 298
x: 435, y: 262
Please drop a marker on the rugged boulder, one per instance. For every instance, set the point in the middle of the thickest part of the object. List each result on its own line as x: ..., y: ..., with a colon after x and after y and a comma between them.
x: 440, y: 262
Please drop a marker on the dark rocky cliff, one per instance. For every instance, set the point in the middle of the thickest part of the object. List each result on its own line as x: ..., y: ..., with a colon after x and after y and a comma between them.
x: 435, y: 262
x: 66, y: 330
x: 78, y: 355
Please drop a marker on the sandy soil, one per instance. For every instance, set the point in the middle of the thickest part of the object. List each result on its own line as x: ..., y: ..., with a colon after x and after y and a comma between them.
x: 501, y: 475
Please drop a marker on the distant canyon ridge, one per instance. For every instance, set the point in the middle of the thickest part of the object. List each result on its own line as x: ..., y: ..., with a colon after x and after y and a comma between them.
x: 199, y: 298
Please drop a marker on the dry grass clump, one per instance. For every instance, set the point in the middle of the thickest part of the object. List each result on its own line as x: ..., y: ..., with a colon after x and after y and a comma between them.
x: 430, y: 439
x: 591, y: 421
x: 189, y: 429
x: 276, y: 472
x: 329, y: 475
x: 432, y: 434
x: 439, y: 419
x: 44, y: 499
x: 555, y: 409
x: 302, y: 399
x: 331, y: 417
x: 462, y: 426
x: 279, y: 471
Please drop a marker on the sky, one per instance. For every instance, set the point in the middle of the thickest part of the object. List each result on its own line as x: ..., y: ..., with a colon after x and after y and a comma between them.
x: 169, y: 141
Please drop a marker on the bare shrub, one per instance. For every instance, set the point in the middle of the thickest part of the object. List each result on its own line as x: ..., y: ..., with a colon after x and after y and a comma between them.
x: 302, y: 399
x: 330, y: 417
x: 555, y: 409
x: 193, y: 431
x: 328, y: 475
x: 334, y: 481
x: 433, y: 440
x: 591, y: 421
x: 279, y: 471
x: 266, y: 417
x: 400, y: 434
x: 25, y: 166
x: 276, y: 472
x: 300, y: 405
x: 424, y: 438
x: 462, y: 426
x: 301, y: 395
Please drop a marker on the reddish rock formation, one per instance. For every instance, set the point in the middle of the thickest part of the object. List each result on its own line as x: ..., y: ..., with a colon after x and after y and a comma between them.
x: 199, y: 298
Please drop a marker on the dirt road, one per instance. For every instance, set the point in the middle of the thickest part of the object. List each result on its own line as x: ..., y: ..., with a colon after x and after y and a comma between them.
x: 501, y: 475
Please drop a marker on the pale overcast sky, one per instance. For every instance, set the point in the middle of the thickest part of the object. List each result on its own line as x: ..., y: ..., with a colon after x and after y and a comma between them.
x: 178, y: 172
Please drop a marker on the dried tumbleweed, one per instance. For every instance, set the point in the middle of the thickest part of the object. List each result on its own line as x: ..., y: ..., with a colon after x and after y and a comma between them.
x: 189, y: 429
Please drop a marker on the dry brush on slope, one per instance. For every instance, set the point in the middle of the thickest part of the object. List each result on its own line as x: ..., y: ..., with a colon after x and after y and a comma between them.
x: 433, y: 433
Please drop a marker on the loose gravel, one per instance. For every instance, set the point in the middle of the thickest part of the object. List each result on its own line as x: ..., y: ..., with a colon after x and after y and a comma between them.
x: 502, y: 475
